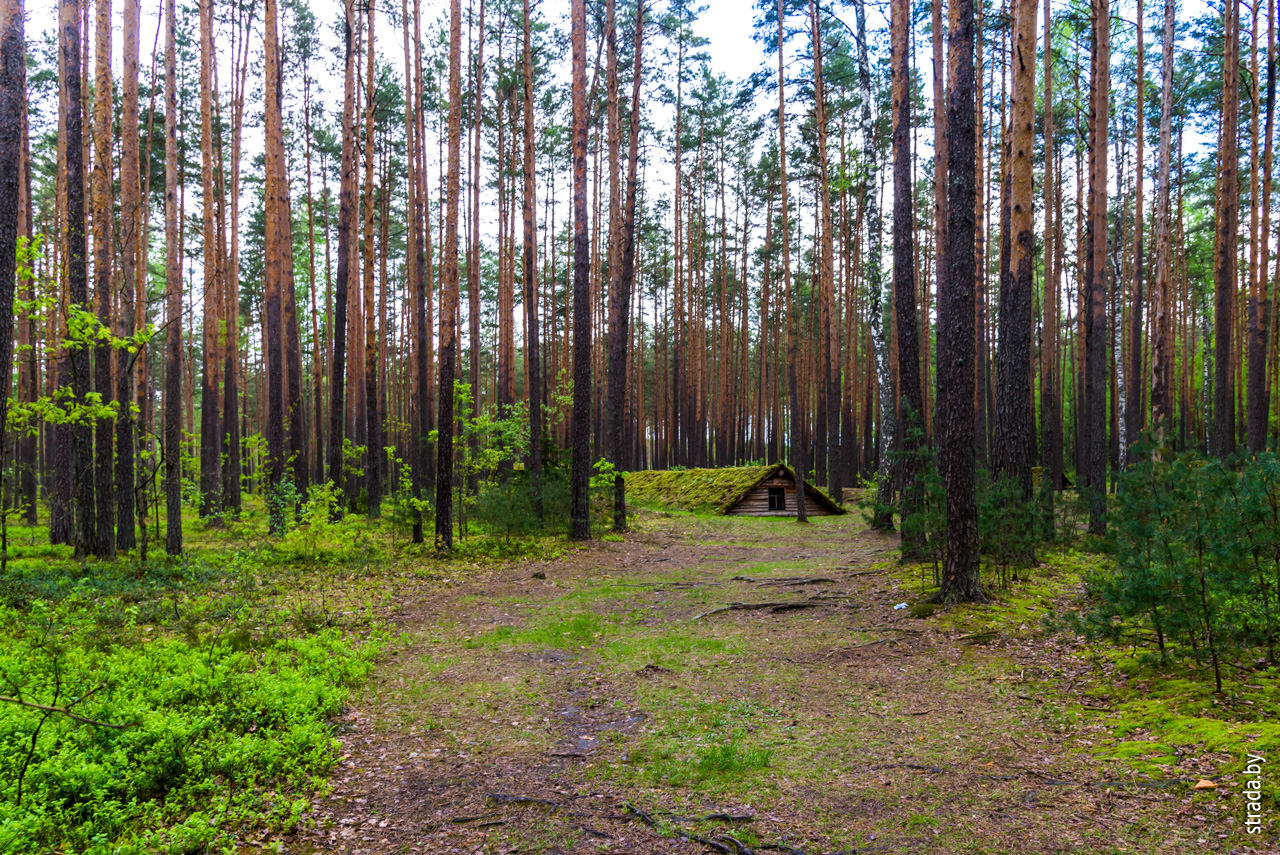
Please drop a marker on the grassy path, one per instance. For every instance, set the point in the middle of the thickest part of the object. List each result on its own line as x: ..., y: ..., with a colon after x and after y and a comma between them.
x: 605, y: 702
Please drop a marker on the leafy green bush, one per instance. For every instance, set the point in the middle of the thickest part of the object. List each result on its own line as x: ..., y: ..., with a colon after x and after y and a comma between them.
x: 319, y: 535
x: 177, y: 741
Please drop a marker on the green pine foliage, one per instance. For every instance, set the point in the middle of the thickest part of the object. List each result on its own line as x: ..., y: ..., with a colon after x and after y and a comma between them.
x: 1196, y: 573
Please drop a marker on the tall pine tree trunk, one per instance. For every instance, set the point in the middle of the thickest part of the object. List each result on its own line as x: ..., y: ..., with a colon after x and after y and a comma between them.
x: 13, y: 81
x: 449, y: 292
x: 793, y: 393
x: 956, y: 318
x: 130, y: 229
x: 173, y: 291
x: 103, y: 382
x: 346, y: 204
x: 1014, y: 422
x: 904, y: 285
x: 1162, y: 290
x: 580, y: 434
x: 210, y: 423
x: 533, y: 378
x: 274, y: 264
x: 1223, y: 435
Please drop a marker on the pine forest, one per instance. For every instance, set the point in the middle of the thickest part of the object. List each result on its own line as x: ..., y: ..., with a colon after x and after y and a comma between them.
x: 495, y: 426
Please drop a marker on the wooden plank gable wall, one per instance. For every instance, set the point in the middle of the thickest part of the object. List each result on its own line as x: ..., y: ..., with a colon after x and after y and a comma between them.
x: 756, y: 503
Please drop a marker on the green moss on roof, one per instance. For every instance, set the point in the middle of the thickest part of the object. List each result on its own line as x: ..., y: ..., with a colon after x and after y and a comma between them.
x: 702, y: 490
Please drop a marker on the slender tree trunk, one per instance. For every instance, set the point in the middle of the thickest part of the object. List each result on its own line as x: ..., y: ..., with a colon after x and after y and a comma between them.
x: 620, y: 298
x: 346, y: 205
x: 274, y: 263
x: 580, y: 439
x: 77, y: 275
x: 870, y: 192
x: 829, y: 379
x: 1095, y: 344
x: 373, y: 428
x: 955, y: 423
x: 1223, y: 435
x: 130, y: 229
x: 797, y: 437
x: 1162, y: 291
x: 13, y: 95
x: 904, y: 285
x: 1134, y: 403
x: 1259, y: 304
x: 449, y: 292
x: 533, y: 377
x: 473, y: 257
x: 103, y: 382
x: 210, y: 426
x: 1050, y: 414
x: 173, y: 290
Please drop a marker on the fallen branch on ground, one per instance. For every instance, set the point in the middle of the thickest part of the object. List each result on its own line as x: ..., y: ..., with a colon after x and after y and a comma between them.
x: 811, y: 603
x: 67, y: 709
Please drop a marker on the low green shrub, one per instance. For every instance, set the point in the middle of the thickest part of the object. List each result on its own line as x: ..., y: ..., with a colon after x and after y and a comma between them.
x: 141, y: 745
x: 1196, y: 573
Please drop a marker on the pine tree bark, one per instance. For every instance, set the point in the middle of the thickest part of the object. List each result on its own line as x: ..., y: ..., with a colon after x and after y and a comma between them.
x: 1050, y: 412
x: 473, y: 263
x: 1014, y: 422
x: 1095, y: 303
x: 274, y: 278
x: 829, y: 376
x: 103, y: 382
x: 130, y: 229
x: 1257, y: 408
x: 1162, y: 290
x: 904, y: 265
x: 173, y: 292
x: 13, y: 95
x: 533, y: 378
x: 1134, y: 402
x: 80, y: 449
x: 210, y: 423
x: 346, y: 203
x: 622, y: 271
x: 580, y: 432
x: 449, y: 292
x: 797, y: 435
x: 373, y: 427
x: 1223, y: 436
x: 956, y: 319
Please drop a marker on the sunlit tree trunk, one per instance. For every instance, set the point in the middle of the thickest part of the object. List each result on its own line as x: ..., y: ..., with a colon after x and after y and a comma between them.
x: 210, y: 424
x: 274, y: 263
x: 1014, y: 422
x: 103, y: 382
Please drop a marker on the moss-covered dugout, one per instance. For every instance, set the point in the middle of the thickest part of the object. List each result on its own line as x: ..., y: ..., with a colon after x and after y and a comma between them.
x: 750, y: 490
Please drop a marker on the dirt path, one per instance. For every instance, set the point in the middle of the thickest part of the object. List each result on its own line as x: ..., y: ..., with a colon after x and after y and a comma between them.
x: 603, y: 703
